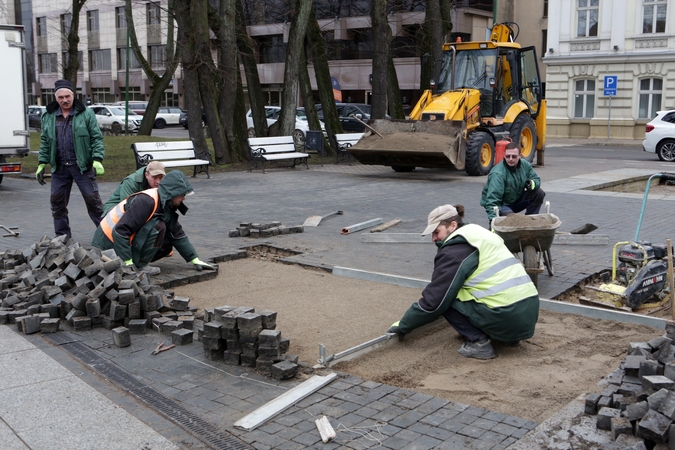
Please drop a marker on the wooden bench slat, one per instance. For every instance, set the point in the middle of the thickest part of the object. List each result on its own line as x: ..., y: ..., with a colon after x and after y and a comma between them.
x: 284, y: 148
x: 257, y: 142
x: 169, y: 154
x: 162, y: 146
x: 189, y: 162
x: 274, y: 149
x: 278, y: 156
x: 172, y: 154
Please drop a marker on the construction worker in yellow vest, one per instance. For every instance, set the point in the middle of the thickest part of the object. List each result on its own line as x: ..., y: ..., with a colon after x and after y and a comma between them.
x: 144, y: 227
x: 478, y: 286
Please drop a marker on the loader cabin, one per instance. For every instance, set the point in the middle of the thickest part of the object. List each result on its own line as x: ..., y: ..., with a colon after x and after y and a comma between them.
x: 486, y: 72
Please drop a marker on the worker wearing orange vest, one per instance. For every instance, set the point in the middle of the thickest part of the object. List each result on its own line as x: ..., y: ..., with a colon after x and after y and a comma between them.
x: 144, y: 227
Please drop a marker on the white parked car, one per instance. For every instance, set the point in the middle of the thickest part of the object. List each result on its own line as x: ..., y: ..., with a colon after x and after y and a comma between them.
x: 660, y: 136
x: 111, y: 117
x: 272, y: 113
x: 167, y: 115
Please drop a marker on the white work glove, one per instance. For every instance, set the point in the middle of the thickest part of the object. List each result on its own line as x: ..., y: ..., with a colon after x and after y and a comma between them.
x: 200, y: 265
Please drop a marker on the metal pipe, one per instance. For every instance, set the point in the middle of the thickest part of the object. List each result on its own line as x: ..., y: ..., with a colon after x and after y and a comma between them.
x: 644, y: 204
x: 361, y: 226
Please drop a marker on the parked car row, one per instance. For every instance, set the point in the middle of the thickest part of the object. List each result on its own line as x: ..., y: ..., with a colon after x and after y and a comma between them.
x: 660, y: 136
x: 272, y: 114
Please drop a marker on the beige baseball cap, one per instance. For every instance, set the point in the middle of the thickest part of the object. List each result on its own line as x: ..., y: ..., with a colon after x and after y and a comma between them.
x: 437, y: 215
x: 155, y: 168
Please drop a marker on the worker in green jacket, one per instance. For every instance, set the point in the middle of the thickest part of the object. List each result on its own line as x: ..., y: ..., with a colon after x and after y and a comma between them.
x: 477, y: 285
x: 146, y: 177
x: 512, y: 186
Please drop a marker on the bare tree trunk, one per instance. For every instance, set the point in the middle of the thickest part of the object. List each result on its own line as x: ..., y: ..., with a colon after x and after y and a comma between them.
x: 446, y: 15
x: 381, y: 31
x: 240, y: 125
x: 255, y: 94
x: 307, y: 95
x: 159, y: 83
x: 294, y: 51
x: 229, y: 70
x: 393, y: 91
x: 433, y: 38
x: 73, y: 63
x: 323, y: 81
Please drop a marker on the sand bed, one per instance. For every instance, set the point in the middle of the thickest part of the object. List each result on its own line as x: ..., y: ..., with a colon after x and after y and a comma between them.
x: 567, y: 356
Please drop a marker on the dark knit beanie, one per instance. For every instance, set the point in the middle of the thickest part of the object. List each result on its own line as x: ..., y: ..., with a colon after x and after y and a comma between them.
x: 61, y: 84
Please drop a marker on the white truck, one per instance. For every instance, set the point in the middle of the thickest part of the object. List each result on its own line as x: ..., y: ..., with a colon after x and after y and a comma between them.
x: 14, y: 133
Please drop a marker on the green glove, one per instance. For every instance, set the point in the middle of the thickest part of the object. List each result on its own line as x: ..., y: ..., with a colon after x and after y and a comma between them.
x: 530, y: 185
x: 199, y: 265
x: 40, y: 174
x: 394, y: 329
x: 99, y: 168
x: 129, y: 262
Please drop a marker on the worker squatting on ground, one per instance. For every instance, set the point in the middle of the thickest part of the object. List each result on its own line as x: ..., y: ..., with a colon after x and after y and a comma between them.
x: 72, y: 143
x: 512, y: 186
x: 147, y: 177
x: 145, y: 228
x: 480, y: 288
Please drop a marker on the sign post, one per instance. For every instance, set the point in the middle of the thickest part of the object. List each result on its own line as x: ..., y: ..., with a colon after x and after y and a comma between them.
x: 610, y: 91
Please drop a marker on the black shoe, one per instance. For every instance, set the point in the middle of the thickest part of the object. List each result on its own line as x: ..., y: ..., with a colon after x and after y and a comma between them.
x: 478, y: 349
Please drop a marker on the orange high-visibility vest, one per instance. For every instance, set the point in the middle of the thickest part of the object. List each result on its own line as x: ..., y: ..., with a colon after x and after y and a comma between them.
x: 115, y: 214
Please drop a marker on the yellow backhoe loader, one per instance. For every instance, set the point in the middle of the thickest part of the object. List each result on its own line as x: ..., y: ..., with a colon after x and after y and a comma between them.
x: 485, y: 90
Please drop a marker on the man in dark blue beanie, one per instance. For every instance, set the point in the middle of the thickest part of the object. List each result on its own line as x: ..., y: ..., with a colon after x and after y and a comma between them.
x: 72, y: 144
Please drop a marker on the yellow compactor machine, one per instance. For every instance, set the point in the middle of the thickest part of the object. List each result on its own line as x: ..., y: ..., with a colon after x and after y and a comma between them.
x: 485, y: 90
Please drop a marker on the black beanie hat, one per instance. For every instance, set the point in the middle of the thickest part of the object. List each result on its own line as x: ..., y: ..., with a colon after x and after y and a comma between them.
x: 61, y: 84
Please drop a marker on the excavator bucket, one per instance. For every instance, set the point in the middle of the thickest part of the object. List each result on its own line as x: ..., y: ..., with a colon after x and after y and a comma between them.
x: 406, y: 144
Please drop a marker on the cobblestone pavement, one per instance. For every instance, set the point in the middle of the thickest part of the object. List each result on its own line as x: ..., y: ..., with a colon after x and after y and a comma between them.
x: 374, y: 414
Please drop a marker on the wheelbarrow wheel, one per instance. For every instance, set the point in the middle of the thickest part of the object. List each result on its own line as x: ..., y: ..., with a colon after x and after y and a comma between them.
x: 548, y: 262
x: 530, y: 263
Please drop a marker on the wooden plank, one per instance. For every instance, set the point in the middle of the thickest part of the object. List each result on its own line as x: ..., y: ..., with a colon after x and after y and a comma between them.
x: 396, y: 238
x: 580, y: 239
x: 284, y: 401
x: 385, y: 226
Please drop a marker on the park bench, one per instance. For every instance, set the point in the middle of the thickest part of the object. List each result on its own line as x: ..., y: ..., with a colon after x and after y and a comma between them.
x: 273, y: 149
x: 172, y: 154
x: 344, y: 141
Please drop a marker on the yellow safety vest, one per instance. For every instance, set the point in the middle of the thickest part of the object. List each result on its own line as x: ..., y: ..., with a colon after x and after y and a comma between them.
x: 500, y: 279
x: 115, y: 214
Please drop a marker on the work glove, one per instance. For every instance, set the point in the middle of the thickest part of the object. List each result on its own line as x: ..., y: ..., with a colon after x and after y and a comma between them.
x: 99, y: 168
x: 199, y: 265
x: 394, y: 329
x: 40, y: 174
x: 530, y: 185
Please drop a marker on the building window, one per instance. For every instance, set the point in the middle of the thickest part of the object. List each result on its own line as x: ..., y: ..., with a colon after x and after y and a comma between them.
x: 153, y: 14
x: 157, y: 56
x: 544, y: 38
x: 545, y: 8
x: 99, y: 60
x: 587, y: 18
x: 654, y: 16
x: 584, y: 99
x: 66, y: 20
x: 102, y: 95
x: 649, y: 96
x: 47, y: 63
x: 134, y: 94
x: 271, y: 49
x: 41, y: 26
x: 122, y: 59
x: 92, y: 20
x: 64, y: 57
x: 120, y: 17
x: 169, y: 98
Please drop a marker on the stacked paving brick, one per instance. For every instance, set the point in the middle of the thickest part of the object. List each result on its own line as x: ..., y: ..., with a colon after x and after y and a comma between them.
x: 240, y: 336
x: 57, y: 279
x: 638, y: 404
x: 264, y: 230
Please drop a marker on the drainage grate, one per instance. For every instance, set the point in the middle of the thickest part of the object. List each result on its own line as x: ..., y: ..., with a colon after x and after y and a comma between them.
x: 201, y: 429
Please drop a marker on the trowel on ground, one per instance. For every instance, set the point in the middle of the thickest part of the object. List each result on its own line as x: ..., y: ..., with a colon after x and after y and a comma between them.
x: 313, y: 221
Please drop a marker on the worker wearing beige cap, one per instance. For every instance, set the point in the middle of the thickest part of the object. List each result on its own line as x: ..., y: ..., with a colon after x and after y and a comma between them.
x: 147, y: 177
x: 480, y: 288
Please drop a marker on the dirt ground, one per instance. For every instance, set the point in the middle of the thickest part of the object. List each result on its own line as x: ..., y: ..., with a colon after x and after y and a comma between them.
x: 568, y: 354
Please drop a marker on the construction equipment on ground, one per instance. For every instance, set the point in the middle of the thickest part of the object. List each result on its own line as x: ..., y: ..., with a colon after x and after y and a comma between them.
x: 485, y: 90
x: 639, y: 268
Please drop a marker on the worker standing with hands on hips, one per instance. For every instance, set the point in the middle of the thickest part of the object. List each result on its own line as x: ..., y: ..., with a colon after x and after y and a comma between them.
x: 512, y: 186
x: 144, y: 227
x: 72, y: 143
x: 480, y: 288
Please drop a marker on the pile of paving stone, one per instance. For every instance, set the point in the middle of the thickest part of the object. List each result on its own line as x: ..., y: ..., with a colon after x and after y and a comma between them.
x: 264, y: 230
x: 638, y: 403
x: 240, y: 336
x: 57, y: 279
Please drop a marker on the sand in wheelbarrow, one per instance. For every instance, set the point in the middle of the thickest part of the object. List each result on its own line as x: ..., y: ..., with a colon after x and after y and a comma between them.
x: 568, y: 354
x: 521, y: 220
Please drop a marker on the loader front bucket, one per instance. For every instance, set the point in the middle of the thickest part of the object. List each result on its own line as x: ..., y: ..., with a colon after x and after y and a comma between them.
x: 412, y: 143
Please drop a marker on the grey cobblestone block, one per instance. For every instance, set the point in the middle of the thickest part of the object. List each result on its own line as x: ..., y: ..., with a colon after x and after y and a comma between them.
x: 484, y: 423
x: 215, y: 355
x: 471, y: 431
x: 82, y: 323
x: 466, y: 418
x: 515, y: 421
x: 504, y: 428
x: 137, y: 326
x: 31, y: 324
x: 452, y: 425
x: 187, y: 321
x: 307, y: 439
x: 121, y: 337
x: 407, y: 435
x: 171, y: 326
x: 134, y: 310
x: 407, y: 418
x: 424, y: 443
x: 213, y: 343
x: 495, y: 438
x: 50, y: 325
x: 432, y: 405
x: 181, y: 337
x: 179, y: 303
x: 389, y: 414
x: 269, y: 319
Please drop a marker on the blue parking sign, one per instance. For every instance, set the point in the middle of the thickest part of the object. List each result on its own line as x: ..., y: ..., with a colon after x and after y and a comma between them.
x: 610, y: 85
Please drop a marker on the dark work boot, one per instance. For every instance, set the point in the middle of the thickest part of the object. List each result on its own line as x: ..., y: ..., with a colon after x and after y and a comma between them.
x: 481, y: 349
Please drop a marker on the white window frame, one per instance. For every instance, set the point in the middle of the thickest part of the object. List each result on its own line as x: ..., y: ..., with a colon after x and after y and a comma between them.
x: 585, y: 11
x: 584, y: 94
x: 650, y: 96
x: 654, y: 6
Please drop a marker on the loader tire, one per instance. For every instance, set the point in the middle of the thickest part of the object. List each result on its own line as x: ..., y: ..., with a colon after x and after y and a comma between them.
x: 523, y: 131
x: 480, y: 153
